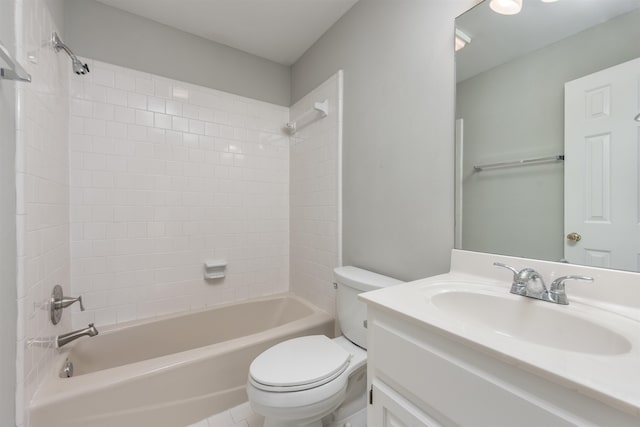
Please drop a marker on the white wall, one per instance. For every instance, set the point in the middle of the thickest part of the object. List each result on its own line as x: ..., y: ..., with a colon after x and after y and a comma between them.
x: 397, y: 58
x: 42, y: 193
x: 516, y: 110
x: 165, y: 175
x: 111, y: 35
x: 8, y: 312
x: 315, y: 195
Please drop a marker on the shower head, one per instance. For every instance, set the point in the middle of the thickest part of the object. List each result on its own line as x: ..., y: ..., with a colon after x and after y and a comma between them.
x: 78, y: 67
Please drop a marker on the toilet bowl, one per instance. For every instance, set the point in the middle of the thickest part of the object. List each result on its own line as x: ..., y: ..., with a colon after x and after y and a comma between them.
x: 316, y: 381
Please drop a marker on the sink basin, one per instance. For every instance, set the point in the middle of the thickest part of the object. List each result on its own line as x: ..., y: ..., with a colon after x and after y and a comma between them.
x: 530, y: 320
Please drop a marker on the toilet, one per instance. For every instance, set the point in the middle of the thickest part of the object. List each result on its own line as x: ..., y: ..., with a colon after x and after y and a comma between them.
x: 315, y: 381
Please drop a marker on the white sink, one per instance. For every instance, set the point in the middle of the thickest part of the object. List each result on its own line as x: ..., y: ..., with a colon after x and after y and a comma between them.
x: 591, y: 345
x: 525, y: 319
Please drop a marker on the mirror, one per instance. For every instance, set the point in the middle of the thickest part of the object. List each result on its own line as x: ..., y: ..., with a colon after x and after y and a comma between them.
x: 516, y: 119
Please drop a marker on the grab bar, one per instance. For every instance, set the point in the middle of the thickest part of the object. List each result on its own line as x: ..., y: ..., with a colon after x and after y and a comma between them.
x: 559, y: 157
x: 15, y: 70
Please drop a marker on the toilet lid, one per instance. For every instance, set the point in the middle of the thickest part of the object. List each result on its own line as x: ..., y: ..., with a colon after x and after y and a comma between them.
x: 299, y: 362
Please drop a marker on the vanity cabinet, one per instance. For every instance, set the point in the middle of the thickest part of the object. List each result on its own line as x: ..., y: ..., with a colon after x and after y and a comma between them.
x: 420, y: 376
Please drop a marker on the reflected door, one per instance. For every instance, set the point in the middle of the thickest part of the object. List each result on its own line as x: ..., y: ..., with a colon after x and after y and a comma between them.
x: 602, y: 215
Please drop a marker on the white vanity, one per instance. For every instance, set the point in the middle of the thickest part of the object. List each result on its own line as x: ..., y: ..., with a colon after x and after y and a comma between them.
x: 460, y: 350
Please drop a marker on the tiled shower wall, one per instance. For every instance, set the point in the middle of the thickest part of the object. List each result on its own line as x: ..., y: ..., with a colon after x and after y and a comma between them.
x: 165, y: 175
x: 316, y: 195
x: 42, y: 205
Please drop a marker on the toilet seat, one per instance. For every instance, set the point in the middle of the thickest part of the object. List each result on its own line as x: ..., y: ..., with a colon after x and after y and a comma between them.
x: 299, y: 364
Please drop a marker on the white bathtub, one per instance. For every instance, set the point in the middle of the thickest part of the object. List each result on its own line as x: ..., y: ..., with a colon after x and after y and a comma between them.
x: 169, y: 371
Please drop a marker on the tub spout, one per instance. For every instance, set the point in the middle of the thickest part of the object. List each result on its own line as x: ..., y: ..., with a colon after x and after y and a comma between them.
x: 64, y: 339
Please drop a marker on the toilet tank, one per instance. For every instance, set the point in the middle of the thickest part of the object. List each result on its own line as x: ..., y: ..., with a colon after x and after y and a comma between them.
x: 351, y: 312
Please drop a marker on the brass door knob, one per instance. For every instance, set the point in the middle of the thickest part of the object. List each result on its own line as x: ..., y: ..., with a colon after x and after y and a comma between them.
x: 574, y: 237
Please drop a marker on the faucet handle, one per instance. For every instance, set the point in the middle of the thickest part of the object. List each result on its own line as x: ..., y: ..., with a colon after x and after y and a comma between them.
x: 59, y: 302
x: 517, y: 286
x: 67, y: 301
x: 522, y: 279
x: 508, y: 267
x: 557, y: 291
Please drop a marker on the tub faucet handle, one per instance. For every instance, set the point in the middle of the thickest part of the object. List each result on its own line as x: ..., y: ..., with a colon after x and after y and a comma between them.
x: 67, y: 301
x: 59, y: 302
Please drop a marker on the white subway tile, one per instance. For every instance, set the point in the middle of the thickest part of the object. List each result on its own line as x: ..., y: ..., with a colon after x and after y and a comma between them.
x: 226, y: 132
x: 162, y: 121
x: 101, y: 213
x: 94, y: 161
x: 105, y: 316
x: 76, y: 126
x: 102, y: 179
x: 136, y: 229
x: 116, y: 130
x: 190, y: 111
x: 180, y: 124
x: 163, y: 88
x: 125, y: 115
x: 180, y: 92
x: 103, y: 77
x: 190, y: 140
x: 125, y: 313
x: 174, y: 138
x: 155, y: 229
x: 196, y: 126
x: 117, y: 97
x: 174, y: 108
x: 157, y: 105
x: 118, y: 163
x: 206, y: 114
x: 145, y: 86
x: 144, y: 118
x: 211, y: 129
x: 94, y: 231
x: 125, y: 82
x: 136, y: 100
x: 95, y: 127
x: 80, y: 143
x: 136, y: 133
x: 95, y: 93
x: 103, y: 111
x: 156, y: 135
x: 81, y: 108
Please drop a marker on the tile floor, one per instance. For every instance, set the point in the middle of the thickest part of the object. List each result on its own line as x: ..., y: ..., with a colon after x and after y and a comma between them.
x: 239, y: 416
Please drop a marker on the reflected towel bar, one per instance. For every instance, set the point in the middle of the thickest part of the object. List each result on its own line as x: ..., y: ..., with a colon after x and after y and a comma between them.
x: 558, y: 158
x: 15, y: 70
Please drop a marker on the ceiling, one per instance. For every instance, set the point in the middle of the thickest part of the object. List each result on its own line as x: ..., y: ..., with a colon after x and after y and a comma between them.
x: 279, y: 30
x: 497, y: 39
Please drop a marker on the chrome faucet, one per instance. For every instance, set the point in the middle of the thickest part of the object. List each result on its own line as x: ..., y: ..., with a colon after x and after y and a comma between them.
x: 529, y: 283
x: 557, y: 293
x: 65, y: 339
x: 524, y: 280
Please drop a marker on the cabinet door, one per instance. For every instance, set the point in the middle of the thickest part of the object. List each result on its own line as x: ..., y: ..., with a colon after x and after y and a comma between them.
x: 390, y: 409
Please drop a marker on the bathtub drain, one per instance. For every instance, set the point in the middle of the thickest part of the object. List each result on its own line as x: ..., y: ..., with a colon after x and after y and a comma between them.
x: 67, y: 370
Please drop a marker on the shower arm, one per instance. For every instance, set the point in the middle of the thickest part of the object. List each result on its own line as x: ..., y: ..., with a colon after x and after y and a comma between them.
x: 78, y: 67
x: 58, y: 44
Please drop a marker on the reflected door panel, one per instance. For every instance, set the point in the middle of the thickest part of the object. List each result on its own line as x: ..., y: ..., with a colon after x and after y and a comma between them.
x: 601, y: 148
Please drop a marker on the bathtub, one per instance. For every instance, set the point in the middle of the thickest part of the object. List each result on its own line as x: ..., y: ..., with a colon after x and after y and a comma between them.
x: 172, y: 370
